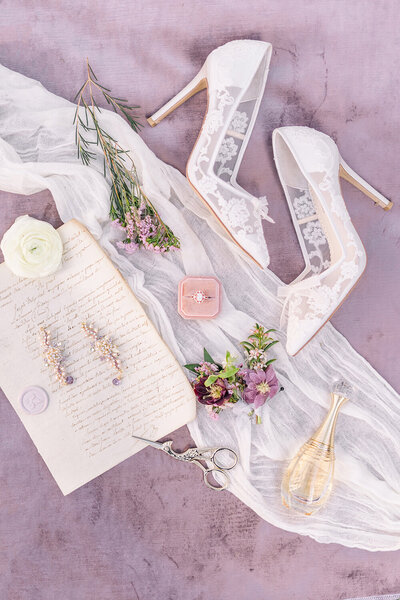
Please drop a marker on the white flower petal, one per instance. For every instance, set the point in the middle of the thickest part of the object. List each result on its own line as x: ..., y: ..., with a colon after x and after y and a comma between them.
x: 32, y: 248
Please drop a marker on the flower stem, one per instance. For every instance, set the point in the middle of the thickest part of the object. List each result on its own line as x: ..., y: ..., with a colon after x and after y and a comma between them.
x: 129, y: 205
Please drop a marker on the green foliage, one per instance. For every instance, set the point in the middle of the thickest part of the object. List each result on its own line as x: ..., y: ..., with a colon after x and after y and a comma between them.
x: 128, y: 203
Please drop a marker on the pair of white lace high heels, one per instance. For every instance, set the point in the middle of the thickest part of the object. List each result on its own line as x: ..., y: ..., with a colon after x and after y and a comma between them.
x: 309, y: 166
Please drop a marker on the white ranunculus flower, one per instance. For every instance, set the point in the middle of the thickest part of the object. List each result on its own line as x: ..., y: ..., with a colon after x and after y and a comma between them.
x: 32, y: 248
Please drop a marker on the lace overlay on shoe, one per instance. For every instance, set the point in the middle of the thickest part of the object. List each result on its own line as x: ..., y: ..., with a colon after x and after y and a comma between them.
x: 309, y: 227
x: 226, y: 129
x: 236, y: 208
x: 333, y: 252
x: 229, y: 151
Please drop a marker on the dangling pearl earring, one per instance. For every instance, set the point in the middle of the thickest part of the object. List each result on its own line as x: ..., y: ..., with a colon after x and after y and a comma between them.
x: 105, y: 347
x: 53, y: 357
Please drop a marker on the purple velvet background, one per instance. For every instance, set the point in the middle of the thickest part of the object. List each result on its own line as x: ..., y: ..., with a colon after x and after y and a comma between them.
x: 148, y: 528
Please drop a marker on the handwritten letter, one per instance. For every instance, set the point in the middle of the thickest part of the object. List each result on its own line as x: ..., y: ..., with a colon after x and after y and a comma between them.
x: 87, y: 426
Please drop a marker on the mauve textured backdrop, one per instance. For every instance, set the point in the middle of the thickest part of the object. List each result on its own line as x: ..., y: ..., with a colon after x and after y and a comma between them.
x: 148, y: 528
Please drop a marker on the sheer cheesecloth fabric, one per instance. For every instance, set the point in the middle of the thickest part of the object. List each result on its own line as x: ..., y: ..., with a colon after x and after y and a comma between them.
x: 37, y: 152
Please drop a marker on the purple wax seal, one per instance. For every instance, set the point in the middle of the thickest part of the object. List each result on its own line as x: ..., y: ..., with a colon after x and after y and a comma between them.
x: 34, y: 400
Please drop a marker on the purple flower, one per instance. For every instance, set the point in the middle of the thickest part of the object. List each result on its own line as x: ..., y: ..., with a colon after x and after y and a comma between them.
x: 116, y: 223
x: 129, y: 247
x: 261, y: 385
x: 213, y: 415
x: 216, y: 394
x: 207, y: 368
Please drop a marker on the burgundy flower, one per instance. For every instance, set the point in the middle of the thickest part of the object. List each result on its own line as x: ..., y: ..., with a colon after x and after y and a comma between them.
x: 216, y: 394
x: 261, y: 385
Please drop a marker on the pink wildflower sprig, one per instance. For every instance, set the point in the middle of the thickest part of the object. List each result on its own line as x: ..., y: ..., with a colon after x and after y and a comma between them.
x: 130, y: 208
x: 141, y: 223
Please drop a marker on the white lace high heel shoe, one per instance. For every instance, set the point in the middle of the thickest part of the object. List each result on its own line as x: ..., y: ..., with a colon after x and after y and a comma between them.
x: 235, y: 76
x: 309, y: 166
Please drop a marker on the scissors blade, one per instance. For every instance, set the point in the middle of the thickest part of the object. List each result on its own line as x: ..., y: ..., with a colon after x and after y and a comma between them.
x: 158, y: 445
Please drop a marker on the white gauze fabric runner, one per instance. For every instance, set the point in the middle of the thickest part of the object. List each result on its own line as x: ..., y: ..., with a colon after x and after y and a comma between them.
x: 37, y: 152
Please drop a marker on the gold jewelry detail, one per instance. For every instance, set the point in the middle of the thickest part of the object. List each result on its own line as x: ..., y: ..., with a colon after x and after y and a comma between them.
x: 105, y: 348
x: 53, y: 357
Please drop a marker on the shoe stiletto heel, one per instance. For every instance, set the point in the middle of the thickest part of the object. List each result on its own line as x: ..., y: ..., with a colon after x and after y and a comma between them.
x: 235, y: 76
x: 351, y: 176
x: 309, y: 166
x: 197, y: 84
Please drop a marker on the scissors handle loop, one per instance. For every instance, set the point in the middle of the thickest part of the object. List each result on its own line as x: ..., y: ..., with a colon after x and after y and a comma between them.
x: 224, y: 459
x: 216, y: 479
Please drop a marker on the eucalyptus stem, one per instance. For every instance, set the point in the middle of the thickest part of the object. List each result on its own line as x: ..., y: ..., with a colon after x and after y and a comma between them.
x: 130, y: 208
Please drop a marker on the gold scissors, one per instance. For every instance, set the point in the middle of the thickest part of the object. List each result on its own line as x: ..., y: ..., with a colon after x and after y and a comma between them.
x: 198, y: 456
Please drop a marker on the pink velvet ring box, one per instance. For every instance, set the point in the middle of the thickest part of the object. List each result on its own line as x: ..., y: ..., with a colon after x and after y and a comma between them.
x: 199, y: 297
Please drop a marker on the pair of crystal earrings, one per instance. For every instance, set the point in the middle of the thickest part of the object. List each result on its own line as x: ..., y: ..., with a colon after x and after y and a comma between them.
x: 105, y: 348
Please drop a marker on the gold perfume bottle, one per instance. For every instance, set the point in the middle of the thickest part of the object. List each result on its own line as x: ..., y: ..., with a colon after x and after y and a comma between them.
x: 307, y: 483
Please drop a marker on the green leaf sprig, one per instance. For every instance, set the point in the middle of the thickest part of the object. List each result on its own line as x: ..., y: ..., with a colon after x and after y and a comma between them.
x: 256, y: 346
x: 129, y: 206
x: 228, y: 372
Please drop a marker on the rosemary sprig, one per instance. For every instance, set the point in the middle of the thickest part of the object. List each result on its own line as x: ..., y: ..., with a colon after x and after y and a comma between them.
x: 130, y: 208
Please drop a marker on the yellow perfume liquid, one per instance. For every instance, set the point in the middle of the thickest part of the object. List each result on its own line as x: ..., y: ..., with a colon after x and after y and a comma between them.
x: 307, y: 483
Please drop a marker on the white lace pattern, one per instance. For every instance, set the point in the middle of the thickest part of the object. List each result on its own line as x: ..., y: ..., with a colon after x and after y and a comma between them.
x: 239, y: 122
x: 309, y: 307
x: 303, y: 206
x: 217, y: 156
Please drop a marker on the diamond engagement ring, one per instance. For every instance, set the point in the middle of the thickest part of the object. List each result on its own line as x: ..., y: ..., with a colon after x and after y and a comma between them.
x: 200, y: 296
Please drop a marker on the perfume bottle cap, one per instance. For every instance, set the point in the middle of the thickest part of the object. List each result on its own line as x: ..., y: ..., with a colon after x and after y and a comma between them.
x: 342, y: 388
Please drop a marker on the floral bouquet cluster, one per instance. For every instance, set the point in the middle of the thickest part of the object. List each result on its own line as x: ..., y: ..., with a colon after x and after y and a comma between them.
x: 220, y: 386
x: 142, y: 225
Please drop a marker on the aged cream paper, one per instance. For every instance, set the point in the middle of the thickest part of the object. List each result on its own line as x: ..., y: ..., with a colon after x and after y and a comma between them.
x: 87, y: 426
